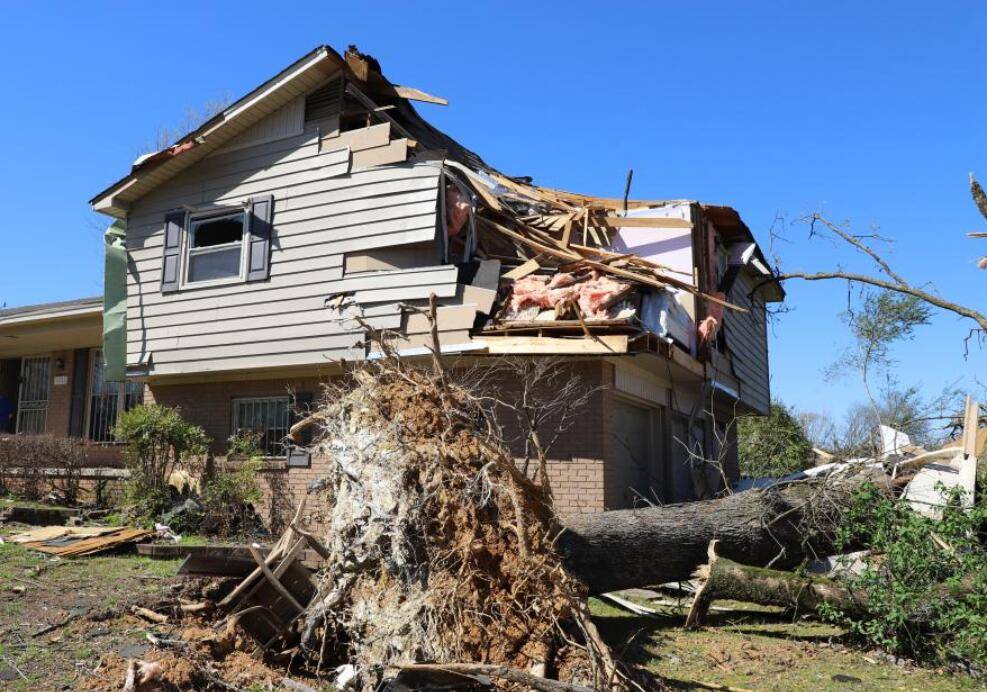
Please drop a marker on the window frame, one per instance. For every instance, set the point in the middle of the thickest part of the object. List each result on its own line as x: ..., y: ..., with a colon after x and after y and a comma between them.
x: 95, y: 358
x: 234, y: 427
x: 188, y: 252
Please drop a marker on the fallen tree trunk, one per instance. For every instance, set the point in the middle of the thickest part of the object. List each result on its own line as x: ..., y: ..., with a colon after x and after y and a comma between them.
x: 724, y: 579
x: 633, y: 548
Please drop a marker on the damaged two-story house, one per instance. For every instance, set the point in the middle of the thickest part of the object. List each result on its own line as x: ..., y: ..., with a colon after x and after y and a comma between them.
x: 261, y: 248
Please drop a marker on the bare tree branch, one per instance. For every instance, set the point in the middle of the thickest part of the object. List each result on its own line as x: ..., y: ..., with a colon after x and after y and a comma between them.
x: 979, y: 197
x: 857, y: 243
x: 905, y: 288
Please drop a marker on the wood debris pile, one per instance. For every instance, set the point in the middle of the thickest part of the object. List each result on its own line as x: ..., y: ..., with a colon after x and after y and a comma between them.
x: 550, y: 241
x: 72, y: 541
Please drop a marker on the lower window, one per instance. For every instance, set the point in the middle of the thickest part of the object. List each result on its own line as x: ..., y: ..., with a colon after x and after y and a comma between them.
x: 107, y: 400
x: 267, y: 417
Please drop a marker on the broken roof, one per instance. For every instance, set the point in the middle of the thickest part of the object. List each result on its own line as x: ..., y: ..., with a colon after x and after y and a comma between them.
x: 515, y: 217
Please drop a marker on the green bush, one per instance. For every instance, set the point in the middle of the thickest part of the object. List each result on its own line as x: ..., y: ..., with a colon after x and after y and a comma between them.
x: 228, y: 498
x: 772, y: 446
x: 228, y: 495
x: 158, y: 440
x: 926, y: 591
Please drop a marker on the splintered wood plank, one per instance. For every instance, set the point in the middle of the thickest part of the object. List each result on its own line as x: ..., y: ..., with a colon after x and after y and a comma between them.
x: 970, y: 420
x: 603, y: 344
x: 567, y: 233
x: 478, y: 184
x: 413, y: 94
x: 529, y: 267
x: 272, y: 579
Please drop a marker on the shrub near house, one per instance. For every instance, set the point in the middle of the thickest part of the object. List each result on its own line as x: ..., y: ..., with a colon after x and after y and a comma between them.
x: 158, y: 441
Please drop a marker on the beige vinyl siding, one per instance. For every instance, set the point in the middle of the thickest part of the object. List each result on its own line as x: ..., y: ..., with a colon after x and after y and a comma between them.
x: 322, y: 210
x: 302, y: 77
x: 284, y: 122
x: 747, y: 338
x: 312, y: 199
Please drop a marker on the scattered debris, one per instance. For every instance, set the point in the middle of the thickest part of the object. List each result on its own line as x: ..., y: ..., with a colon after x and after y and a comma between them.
x: 148, y: 614
x: 72, y: 541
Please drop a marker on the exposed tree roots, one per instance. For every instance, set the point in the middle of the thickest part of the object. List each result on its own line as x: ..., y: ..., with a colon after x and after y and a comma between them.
x: 441, y: 551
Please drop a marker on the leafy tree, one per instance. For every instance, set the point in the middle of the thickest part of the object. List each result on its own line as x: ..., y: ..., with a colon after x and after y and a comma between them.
x: 926, y: 597
x: 774, y: 445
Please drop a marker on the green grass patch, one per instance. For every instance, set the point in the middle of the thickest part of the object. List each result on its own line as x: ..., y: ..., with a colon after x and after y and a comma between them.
x: 758, y: 648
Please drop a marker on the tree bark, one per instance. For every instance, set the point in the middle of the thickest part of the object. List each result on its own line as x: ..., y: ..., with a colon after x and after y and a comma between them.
x: 635, y: 548
x: 724, y: 579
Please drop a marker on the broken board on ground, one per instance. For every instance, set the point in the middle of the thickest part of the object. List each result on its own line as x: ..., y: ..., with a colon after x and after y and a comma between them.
x: 76, y: 541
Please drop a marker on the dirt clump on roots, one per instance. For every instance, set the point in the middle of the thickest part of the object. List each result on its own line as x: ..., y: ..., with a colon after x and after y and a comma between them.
x: 441, y: 550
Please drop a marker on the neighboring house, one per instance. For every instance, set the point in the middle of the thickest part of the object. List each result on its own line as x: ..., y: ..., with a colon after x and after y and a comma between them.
x: 51, y: 373
x: 255, y: 241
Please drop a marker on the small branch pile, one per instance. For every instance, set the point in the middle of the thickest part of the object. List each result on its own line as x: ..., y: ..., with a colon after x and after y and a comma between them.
x: 441, y: 550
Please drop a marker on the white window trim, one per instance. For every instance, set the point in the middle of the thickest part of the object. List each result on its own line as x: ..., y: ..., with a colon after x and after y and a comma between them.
x: 257, y: 399
x: 187, y: 250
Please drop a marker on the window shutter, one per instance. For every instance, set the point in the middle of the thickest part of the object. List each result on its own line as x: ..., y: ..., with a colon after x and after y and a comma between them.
x: 297, y: 456
x: 172, y: 259
x: 259, y: 250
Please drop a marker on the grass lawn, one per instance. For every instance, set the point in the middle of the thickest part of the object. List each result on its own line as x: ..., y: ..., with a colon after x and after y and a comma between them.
x: 747, y: 647
x: 89, y: 594
x: 757, y: 648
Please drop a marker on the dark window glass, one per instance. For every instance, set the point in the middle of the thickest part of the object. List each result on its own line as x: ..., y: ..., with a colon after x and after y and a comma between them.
x: 218, y: 231
x: 215, y: 247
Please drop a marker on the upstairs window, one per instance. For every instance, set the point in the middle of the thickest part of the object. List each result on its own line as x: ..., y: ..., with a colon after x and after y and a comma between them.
x: 215, y: 249
x: 217, y: 245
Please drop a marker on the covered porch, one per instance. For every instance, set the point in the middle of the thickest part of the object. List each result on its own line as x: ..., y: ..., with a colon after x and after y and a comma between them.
x: 51, y: 372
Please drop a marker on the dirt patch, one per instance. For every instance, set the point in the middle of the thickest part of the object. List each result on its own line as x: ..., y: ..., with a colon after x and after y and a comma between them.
x: 179, y: 674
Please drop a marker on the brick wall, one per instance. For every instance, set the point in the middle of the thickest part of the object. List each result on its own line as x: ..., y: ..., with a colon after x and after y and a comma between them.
x: 576, y: 460
x: 60, y: 395
x: 575, y: 465
x: 210, y: 405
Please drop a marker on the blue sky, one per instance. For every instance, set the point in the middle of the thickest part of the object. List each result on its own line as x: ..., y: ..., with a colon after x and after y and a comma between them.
x: 872, y: 112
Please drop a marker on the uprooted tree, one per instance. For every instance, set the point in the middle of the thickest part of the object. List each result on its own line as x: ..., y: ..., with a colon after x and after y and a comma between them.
x: 444, y: 554
x: 441, y: 550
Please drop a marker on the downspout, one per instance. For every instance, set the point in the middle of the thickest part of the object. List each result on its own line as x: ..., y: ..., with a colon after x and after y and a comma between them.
x: 115, y: 303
